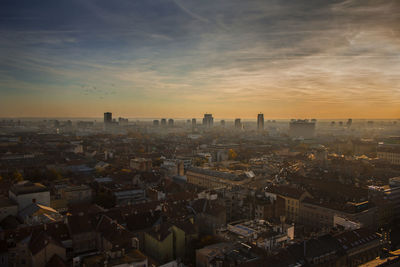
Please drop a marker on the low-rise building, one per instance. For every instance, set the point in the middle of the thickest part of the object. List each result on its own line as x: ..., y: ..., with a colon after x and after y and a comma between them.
x: 292, y: 196
x: 76, y: 194
x: 266, y: 235
x: 212, y: 179
x: 320, y: 214
x: 210, y: 215
x: 38, y: 214
x: 360, y: 245
x: 159, y: 243
x: 394, y: 196
x: 184, y: 233
x: 7, y: 208
x: 129, y: 196
x: 43, y: 247
x: 390, y: 153
x: 25, y: 193
x: 225, y: 254
x: 83, y: 235
x: 141, y: 164
x: 122, y: 257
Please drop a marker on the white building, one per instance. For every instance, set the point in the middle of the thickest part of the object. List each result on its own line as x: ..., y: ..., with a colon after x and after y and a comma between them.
x: 25, y: 193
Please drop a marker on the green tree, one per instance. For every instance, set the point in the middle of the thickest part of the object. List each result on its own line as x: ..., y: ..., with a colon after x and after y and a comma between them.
x: 232, y: 154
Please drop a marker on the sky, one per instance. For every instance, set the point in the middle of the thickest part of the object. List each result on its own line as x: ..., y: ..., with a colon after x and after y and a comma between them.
x: 183, y: 58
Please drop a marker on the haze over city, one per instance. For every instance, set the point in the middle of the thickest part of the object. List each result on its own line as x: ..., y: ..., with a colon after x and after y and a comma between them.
x: 287, y: 59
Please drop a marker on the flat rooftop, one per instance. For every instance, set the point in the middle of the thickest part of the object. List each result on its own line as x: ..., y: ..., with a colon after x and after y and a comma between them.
x: 27, y: 187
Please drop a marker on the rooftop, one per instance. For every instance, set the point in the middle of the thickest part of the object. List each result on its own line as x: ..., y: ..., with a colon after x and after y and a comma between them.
x: 219, y: 174
x: 125, y: 258
x: 27, y: 187
x: 352, y: 239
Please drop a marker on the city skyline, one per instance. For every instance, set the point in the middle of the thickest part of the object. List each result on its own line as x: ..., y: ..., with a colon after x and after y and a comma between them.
x: 181, y: 59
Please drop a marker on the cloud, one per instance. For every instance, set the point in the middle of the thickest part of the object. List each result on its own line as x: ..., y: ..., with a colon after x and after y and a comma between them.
x: 260, y: 54
x: 190, y: 13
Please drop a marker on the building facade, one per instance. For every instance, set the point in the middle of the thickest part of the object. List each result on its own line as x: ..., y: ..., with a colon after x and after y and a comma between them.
x: 260, y: 122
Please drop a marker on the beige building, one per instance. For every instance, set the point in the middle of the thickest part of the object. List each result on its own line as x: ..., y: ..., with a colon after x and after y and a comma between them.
x: 319, y: 214
x: 159, y: 243
x: 390, y: 153
x: 292, y: 197
x: 141, y: 164
x: 212, y: 179
x: 76, y: 194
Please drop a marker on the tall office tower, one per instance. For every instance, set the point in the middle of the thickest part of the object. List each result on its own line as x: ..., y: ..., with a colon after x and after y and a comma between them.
x: 208, y: 120
x: 170, y: 122
x: 156, y: 122
x: 107, y: 121
x: 107, y: 117
x: 163, y: 122
x: 222, y: 123
x: 238, y: 124
x: 302, y: 129
x: 260, y: 122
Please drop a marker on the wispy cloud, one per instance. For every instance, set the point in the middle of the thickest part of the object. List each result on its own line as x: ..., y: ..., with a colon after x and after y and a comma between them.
x: 215, y: 55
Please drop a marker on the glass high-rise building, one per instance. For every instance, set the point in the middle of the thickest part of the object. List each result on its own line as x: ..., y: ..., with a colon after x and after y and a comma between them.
x: 107, y: 117
x: 238, y: 124
x: 260, y: 121
x: 208, y: 120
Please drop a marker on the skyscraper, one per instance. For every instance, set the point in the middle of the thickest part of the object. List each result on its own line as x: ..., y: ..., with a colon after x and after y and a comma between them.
x: 170, y: 122
x: 107, y: 121
x: 163, y: 122
x: 238, y: 124
x: 260, y: 121
x: 107, y: 117
x: 208, y: 120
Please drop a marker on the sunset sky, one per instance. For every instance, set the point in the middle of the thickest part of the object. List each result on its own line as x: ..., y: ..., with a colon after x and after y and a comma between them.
x: 183, y: 58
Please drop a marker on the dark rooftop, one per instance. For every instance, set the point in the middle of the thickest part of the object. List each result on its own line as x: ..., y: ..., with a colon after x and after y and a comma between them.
x: 27, y: 187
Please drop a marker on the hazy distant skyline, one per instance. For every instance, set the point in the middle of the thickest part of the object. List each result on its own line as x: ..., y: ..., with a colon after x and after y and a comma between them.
x: 176, y: 58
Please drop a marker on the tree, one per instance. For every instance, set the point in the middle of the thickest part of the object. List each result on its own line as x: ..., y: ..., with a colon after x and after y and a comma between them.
x: 52, y: 175
x: 17, y: 176
x: 232, y: 154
